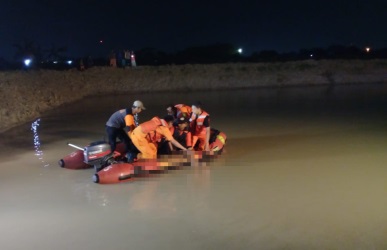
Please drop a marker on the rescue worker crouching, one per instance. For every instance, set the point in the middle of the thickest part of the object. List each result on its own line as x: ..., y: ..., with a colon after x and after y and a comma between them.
x: 200, y: 127
x: 120, y: 125
x: 148, y: 134
x: 182, y: 134
x: 179, y: 110
x: 183, y: 110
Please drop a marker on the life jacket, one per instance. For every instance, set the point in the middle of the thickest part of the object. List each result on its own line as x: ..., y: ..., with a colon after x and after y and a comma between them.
x: 172, y: 129
x: 183, y: 110
x: 181, y: 136
x: 152, y: 124
x: 196, y: 124
x: 149, y: 128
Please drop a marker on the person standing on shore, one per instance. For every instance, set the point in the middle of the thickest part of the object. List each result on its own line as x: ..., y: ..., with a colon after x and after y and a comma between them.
x: 120, y: 125
x: 127, y: 57
x: 133, y: 59
x: 112, y: 59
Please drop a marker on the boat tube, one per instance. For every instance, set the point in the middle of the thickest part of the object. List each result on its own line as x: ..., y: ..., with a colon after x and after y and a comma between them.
x: 111, y: 168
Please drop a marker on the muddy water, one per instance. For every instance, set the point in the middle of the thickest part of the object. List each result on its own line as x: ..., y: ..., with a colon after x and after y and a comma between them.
x: 304, y: 168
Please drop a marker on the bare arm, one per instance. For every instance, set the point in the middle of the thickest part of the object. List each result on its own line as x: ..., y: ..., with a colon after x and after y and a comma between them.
x: 208, y: 133
x: 177, y: 144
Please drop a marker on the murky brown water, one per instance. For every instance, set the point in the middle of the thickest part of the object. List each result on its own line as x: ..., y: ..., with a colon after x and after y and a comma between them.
x: 304, y: 168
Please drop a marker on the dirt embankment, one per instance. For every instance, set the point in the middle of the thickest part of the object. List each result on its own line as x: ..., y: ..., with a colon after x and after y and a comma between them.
x: 24, y: 95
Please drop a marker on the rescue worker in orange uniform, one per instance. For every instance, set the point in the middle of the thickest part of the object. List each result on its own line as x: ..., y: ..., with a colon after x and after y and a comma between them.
x: 148, y: 134
x: 183, y: 110
x: 120, y: 124
x: 182, y: 134
x: 200, y: 127
x: 179, y: 110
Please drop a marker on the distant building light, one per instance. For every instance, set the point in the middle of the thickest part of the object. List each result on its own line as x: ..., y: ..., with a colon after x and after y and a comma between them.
x: 367, y: 49
x: 240, y: 50
x: 55, y: 62
x: 311, y: 55
x: 69, y: 62
x: 27, y: 62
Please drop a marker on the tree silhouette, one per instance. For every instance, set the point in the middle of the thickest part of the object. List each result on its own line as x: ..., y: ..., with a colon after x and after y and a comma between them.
x: 55, y: 53
x: 151, y: 56
x: 215, y: 53
x: 27, y: 48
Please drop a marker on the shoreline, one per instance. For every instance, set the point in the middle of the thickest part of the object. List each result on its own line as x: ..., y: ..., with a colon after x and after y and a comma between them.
x: 24, y: 95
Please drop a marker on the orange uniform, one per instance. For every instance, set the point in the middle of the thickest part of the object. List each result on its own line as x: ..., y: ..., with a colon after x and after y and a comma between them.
x: 183, y: 110
x: 146, y: 136
x: 199, y: 125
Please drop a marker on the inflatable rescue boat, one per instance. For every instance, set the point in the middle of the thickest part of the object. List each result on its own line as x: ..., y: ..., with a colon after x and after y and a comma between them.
x: 112, y: 168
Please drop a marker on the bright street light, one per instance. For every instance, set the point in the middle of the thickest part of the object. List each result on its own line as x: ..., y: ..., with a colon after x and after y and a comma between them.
x: 240, y: 50
x: 27, y: 62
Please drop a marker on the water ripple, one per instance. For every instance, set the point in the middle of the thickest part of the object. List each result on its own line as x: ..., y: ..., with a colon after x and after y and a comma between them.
x: 38, y: 151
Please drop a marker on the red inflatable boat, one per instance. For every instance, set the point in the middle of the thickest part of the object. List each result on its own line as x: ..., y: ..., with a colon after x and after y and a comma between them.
x: 80, y: 158
x: 110, y: 168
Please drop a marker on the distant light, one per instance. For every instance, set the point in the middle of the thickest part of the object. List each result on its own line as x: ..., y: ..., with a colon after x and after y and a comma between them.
x: 100, y: 41
x: 55, y: 62
x: 27, y: 62
x: 132, y: 56
x: 311, y: 55
x: 367, y: 49
x: 69, y: 62
x: 240, y: 50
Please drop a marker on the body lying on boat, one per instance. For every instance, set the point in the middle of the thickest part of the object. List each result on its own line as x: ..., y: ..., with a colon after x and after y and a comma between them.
x: 112, y: 167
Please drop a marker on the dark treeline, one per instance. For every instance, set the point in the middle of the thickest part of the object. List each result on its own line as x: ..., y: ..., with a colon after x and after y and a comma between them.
x: 55, y: 57
x: 226, y: 53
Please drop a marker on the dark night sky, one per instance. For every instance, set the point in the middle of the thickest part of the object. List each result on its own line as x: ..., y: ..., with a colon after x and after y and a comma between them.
x: 173, y: 25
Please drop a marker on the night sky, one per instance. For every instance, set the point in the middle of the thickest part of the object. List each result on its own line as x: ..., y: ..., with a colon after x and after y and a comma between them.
x: 173, y: 25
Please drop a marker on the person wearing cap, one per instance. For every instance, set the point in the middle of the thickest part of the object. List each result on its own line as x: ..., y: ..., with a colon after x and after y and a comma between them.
x: 200, y: 127
x: 121, y: 124
x: 181, y: 132
x: 148, y: 134
x: 179, y: 110
x: 172, y: 110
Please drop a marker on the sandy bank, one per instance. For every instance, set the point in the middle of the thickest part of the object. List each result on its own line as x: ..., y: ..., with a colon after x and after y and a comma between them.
x: 24, y: 95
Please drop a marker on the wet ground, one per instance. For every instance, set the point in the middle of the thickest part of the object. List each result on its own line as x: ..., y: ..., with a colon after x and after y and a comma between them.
x: 304, y: 168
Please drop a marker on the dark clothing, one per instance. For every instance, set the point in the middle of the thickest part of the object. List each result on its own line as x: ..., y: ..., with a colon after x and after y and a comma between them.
x: 114, y: 133
x: 163, y: 148
x: 118, y: 126
x: 181, y: 137
x: 213, y: 135
x: 206, y: 122
x: 117, y: 119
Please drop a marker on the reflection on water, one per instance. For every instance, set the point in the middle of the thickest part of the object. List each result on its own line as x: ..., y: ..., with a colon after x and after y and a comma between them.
x: 36, y: 140
x: 303, y: 168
